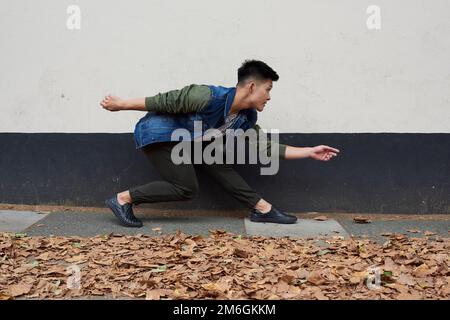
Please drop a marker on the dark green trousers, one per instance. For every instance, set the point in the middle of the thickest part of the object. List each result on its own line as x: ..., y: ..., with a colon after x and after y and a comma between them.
x: 180, y: 181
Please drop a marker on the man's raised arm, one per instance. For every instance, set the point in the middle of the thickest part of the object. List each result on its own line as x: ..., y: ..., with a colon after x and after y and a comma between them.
x: 114, y: 103
x: 192, y: 98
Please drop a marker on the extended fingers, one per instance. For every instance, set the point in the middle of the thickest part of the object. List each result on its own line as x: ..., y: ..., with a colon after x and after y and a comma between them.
x: 327, y: 148
x: 329, y: 155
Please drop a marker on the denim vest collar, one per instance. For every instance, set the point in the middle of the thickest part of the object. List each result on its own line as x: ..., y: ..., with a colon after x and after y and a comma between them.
x: 229, y: 101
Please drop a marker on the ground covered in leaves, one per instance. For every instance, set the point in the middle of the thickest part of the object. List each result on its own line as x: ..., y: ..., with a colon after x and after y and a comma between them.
x: 223, y: 266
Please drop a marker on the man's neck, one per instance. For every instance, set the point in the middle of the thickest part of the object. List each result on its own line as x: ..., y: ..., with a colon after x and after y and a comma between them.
x: 240, y: 102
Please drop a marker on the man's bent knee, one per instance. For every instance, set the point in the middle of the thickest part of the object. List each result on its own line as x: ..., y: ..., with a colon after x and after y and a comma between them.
x: 188, y: 192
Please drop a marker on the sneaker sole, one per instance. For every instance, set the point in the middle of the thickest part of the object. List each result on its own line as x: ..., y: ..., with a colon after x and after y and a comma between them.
x: 272, y: 221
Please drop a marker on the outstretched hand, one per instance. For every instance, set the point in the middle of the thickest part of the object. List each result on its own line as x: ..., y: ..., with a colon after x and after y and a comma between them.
x: 323, y: 153
x: 112, y: 103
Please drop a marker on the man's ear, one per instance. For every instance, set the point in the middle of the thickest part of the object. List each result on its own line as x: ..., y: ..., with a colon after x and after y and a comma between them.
x: 251, y: 87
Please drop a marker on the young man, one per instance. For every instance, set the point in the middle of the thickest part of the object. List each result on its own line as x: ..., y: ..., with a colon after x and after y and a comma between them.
x: 216, y: 107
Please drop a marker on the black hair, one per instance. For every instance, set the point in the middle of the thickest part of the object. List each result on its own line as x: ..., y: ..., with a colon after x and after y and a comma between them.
x: 255, y: 69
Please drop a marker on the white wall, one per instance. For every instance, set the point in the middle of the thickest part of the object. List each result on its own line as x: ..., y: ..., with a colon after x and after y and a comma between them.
x: 336, y: 75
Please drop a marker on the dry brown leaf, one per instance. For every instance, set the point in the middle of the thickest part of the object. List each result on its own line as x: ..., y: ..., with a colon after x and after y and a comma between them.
x: 318, y: 294
x: 241, y: 253
x: 315, y: 277
x: 321, y: 218
x: 153, y: 294
x: 4, y: 296
x: 355, y: 280
x: 279, y: 268
x: 103, y: 262
x: 56, y: 270
x: 217, y: 232
x: 406, y: 279
x: 45, y: 256
x: 17, y: 290
x: 287, y: 278
x: 421, y: 271
x: 187, y: 253
x: 361, y: 220
x: 302, y: 274
x: 80, y: 258
x: 408, y: 296
x: 210, y: 286
x: 282, y: 287
x: 389, y: 265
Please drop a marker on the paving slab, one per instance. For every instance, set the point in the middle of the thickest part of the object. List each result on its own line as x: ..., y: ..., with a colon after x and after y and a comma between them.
x: 16, y: 221
x: 374, y: 229
x: 91, y: 224
x: 303, y: 228
x: 100, y: 223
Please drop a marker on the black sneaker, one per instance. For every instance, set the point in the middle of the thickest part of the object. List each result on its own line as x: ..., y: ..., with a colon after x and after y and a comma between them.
x: 273, y: 216
x: 287, y: 214
x: 124, y: 213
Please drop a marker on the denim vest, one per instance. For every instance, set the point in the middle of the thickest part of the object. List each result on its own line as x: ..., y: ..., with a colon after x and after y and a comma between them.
x: 158, y: 127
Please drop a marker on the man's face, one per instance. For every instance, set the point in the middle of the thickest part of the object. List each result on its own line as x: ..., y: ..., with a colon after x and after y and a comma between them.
x: 260, y: 93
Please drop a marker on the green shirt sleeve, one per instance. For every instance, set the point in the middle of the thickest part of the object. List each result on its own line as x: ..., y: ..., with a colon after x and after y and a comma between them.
x: 269, y: 145
x: 191, y: 98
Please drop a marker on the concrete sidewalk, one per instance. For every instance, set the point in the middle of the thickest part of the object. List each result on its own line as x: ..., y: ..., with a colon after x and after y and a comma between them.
x: 85, y: 224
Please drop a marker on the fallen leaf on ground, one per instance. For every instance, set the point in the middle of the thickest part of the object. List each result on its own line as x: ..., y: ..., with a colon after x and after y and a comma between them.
x: 241, y: 253
x: 223, y: 266
x: 20, y: 289
x: 361, y: 220
x: 408, y: 296
x: 406, y: 279
x: 316, y: 278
